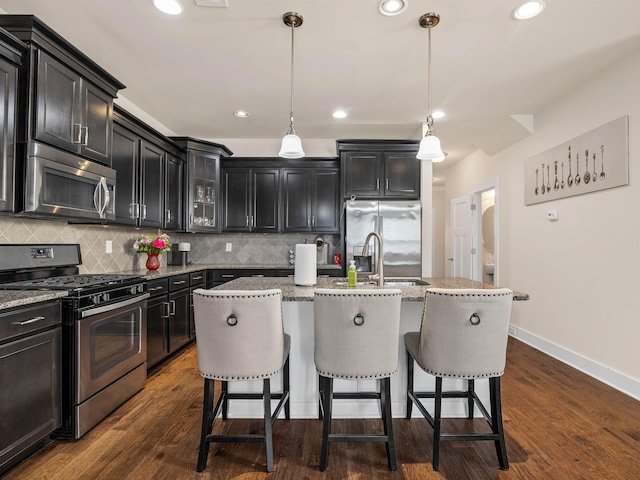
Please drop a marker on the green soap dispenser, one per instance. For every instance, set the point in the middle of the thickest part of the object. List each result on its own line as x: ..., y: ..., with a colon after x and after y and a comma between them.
x: 352, y: 275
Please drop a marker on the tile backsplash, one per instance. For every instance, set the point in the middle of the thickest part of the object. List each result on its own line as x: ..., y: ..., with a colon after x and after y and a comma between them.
x: 246, y: 248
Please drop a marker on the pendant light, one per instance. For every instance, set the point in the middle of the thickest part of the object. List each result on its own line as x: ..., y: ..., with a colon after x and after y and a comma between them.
x: 291, y: 143
x: 430, y: 145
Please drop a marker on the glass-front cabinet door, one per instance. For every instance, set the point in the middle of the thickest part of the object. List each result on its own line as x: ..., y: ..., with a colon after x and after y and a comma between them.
x: 203, y: 181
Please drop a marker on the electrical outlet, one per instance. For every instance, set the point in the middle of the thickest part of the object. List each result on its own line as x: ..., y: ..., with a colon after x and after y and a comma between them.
x: 228, y: 247
x: 108, y: 247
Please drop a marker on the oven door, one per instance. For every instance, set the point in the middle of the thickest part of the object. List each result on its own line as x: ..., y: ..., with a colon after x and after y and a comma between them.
x: 111, y: 341
x: 57, y: 183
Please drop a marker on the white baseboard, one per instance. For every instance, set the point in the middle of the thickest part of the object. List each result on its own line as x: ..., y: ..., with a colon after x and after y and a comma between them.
x: 620, y: 382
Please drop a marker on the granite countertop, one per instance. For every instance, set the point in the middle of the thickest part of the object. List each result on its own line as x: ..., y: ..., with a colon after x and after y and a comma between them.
x: 293, y: 293
x: 18, y: 298
x: 168, y: 271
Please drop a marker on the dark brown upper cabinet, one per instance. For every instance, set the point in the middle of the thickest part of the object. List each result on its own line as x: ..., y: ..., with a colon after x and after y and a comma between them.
x: 251, y: 199
x: 379, y: 169
x: 149, y: 174
x: 266, y: 194
x: 66, y: 98
x: 202, y: 184
x: 11, y: 50
x: 311, y: 200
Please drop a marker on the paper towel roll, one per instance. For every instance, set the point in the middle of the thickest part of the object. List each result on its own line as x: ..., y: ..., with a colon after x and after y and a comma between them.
x: 305, y: 268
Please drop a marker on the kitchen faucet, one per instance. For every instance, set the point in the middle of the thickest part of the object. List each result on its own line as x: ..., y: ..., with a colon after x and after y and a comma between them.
x: 379, y: 275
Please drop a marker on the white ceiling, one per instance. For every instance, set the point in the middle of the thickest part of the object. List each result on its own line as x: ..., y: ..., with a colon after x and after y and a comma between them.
x: 191, y: 72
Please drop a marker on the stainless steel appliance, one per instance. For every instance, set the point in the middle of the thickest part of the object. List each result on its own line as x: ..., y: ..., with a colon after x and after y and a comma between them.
x: 104, y: 329
x: 398, y: 222
x: 60, y: 184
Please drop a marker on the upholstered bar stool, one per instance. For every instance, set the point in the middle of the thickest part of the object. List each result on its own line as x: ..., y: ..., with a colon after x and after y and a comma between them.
x: 463, y: 335
x: 356, y: 337
x: 240, y: 336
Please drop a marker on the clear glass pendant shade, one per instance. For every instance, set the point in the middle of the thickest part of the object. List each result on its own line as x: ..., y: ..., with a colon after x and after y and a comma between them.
x: 430, y: 149
x: 291, y: 146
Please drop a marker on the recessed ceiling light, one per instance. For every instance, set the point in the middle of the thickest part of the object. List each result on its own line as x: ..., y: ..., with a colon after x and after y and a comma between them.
x: 339, y: 114
x: 392, y: 7
x: 241, y: 114
x: 170, y: 7
x: 528, y: 9
x: 437, y: 114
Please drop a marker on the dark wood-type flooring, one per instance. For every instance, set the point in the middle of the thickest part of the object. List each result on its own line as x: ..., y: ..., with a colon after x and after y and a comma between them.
x: 560, y: 424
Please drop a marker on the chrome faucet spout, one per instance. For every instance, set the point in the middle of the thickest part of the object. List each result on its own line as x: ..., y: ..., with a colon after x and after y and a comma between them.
x: 379, y: 275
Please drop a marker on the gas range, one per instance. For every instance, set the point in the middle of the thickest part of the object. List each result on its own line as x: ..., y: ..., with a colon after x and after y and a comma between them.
x: 103, y: 334
x: 72, y: 283
x: 55, y: 267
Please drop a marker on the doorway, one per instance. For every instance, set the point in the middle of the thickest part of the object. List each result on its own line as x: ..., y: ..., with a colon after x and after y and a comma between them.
x: 474, y: 234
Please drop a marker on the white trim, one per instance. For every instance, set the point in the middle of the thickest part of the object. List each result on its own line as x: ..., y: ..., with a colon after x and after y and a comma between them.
x: 492, y: 183
x: 617, y: 380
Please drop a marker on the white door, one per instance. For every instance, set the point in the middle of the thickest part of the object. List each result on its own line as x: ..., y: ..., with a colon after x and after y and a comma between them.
x: 461, y: 257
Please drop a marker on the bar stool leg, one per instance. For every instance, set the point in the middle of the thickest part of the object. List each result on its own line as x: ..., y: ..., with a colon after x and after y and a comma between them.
x: 268, y: 440
x: 410, y: 362
x: 436, y: 424
x: 285, y: 388
x: 207, y: 423
x: 496, y: 419
x: 385, y: 399
x: 327, y: 401
x: 225, y: 400
x: 470, y: 401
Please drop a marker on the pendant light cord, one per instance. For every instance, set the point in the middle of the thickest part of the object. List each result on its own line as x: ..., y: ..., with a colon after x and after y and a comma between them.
x: 291, y: 130
x: 429, y: 117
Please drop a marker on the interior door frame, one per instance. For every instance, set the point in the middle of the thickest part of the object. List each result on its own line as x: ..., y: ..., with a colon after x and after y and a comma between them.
x: 476, y: 228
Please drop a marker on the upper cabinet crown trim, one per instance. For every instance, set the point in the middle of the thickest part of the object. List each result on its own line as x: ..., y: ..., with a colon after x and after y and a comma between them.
x: 31, y: 30
x: 378, y: 145
x: 189, y: 143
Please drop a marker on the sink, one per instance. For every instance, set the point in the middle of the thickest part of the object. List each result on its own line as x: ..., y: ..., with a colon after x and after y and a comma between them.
x: 404, y: 282
x: 391, y: 282
x: 358, y: 284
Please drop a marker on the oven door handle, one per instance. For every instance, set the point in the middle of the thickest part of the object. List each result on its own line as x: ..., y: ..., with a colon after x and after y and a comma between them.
x: 114, y: 306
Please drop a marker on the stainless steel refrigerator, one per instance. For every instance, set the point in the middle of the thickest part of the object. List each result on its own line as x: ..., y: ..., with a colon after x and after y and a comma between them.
x: 398, y: 223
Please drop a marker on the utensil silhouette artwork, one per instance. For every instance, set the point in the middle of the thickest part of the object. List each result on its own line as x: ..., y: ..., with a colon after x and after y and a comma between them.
x: 587, y: 175
x: 602, y: 175
x: 570, y: 177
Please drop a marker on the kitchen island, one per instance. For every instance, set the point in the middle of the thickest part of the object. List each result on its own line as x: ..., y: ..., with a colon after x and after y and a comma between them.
x: 297, y: 310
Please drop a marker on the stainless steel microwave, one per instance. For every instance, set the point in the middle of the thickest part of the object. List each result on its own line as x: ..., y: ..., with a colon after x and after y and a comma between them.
x: 61, y: 184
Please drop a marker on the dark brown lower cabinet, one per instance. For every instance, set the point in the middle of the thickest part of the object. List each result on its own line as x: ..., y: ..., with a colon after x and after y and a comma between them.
x: 30, y: 380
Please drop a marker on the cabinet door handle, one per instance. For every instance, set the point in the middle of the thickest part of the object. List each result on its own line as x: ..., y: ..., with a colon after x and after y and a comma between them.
x: 252, y: 222
x: 155, y: 289
x: 27, y: 322
x: 134, y: 210
x: 84, y: 140
x: 180, y: 282
x: 386, y: 184
x: 167, y: 216
x: 228, y: 275
x: 77, y: 133
x: 308, y: 221
x: 313, y: 220
x: 377, y: 184
x: 197, y: 278
x: 247, y: 220
x: 144, y: 212
x: 172, y: 311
